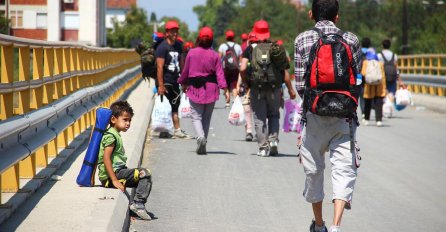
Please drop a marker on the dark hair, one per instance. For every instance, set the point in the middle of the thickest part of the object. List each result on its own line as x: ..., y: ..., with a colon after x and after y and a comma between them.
x: 325, y: 10
x: 205, y: 42
x: 386, y: 44
x: 366, y: 42
x: 119, y: 107
x: 230, y: 39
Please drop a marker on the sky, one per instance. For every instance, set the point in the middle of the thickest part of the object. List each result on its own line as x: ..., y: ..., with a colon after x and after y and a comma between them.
x: 178, y: 8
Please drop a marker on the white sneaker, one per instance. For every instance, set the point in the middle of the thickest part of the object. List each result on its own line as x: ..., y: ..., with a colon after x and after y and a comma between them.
x: 263, y: 152
x: 335, y: 229
x: 379, y: 124
x: 365, y: 122
x: 181, y: 134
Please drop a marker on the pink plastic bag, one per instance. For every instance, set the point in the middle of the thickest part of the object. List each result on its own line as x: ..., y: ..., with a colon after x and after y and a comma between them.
x: 292, y: 117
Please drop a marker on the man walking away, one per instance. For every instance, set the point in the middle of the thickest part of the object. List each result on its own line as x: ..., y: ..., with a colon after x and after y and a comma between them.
x: 390, y: 60
x: 335, y: 134
x: 230, y: 54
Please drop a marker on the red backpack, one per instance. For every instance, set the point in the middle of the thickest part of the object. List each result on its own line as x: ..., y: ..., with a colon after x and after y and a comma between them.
x: 230, y: 59
x: 330, y: 78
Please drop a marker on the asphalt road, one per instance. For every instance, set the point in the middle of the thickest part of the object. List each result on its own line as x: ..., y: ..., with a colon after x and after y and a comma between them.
x: 401, y: 184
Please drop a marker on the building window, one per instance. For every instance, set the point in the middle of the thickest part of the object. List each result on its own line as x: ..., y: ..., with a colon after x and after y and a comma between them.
x: 41, y: 21
x: 16, y: 17
x: 70, y: 20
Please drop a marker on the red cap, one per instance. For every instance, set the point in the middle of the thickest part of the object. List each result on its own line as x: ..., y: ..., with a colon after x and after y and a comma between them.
x: 261, y: 29
x: 172, y: 24
x: 180, y: 39
x: 252, y: 37
x: 230, y: 34
x: 188, y: 45
x: 159, y: 35
x: 244, y: 36
x: 279, y: 42
x: 206, y: 32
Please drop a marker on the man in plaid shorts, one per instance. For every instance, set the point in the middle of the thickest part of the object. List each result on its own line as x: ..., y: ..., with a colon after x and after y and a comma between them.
x: 324, y: 133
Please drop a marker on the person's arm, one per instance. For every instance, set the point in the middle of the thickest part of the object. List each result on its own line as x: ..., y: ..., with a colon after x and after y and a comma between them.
x: 244, y: 69
x: 108, y: 151
x: 182, y: 80
x: 299, y: 66
x: 221, y: 77
x: 160, y: 74
x: 287, y: 81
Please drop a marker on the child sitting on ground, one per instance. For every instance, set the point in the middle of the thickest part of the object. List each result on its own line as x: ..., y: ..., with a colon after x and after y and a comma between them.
x: 113, y: 171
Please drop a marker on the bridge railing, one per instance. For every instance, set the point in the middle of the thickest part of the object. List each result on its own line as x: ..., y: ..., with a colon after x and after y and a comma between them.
x: 48, y: 91
x: 424, y: 73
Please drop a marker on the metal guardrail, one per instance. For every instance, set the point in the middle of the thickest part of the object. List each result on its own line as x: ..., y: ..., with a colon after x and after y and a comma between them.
x: 22, y: 135
x: 424, y: 73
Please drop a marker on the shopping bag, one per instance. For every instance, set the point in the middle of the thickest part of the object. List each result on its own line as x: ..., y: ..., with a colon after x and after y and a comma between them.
x: 184, y: 110
x: 162, y: 115
x: 291, y: 121
x: 388, y: 106
x: 237, y: 113
x: 403, y: 97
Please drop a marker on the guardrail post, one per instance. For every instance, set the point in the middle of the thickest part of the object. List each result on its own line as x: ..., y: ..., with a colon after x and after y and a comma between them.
x: 10, y: 179
x: 48, y: 71
x: 59, y: 85
x: 24, y: 74
x: 7, y: 77
x: 66, y: 67
x: 37, y: 93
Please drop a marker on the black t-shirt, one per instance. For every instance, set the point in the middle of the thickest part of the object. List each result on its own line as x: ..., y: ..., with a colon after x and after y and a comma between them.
x: 248, y: 52
x: 171, y: 55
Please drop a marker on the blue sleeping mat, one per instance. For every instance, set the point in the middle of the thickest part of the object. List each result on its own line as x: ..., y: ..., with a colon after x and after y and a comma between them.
x: 86, y: 175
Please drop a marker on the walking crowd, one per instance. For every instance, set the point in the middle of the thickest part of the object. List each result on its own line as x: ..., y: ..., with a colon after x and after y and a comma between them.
x: 334, y: 74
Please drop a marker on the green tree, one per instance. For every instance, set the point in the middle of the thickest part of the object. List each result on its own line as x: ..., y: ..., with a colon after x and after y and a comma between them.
x: 135, y: 28
x: 4, y: 25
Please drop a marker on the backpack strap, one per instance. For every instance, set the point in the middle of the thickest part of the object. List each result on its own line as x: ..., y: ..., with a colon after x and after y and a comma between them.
x: 384, y: 58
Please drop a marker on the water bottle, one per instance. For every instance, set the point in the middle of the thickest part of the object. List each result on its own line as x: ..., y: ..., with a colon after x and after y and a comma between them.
x: 358, y: 79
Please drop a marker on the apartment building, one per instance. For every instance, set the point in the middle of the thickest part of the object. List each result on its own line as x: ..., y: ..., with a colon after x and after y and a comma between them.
x: 80, y: 21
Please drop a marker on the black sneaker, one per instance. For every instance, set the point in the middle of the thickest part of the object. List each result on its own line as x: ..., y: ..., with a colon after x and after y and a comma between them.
x: 313, y: 226
x: 165, y: 135
x: 201, y: 146
x: 249, y: 137
x: 274, y: 150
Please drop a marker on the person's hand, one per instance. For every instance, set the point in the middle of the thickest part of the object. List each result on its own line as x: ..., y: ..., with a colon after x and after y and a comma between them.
x: 227, y: 95
x: 162, y: 90
x: 184, y: 88
x: 118, y: 185
x: 292, y: 93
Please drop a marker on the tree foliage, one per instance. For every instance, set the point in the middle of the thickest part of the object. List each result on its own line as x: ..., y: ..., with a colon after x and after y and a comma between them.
x: 376, y: 19
x: 4, y: 25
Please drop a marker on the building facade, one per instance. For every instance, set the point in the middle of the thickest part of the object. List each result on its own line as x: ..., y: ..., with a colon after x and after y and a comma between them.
x: 80, y: 21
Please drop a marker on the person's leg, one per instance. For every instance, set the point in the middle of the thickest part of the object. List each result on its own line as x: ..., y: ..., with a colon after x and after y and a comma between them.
x: 258, y: 105
x: 197, y: 117
x: 367, y: 108
x: 379, y: 108
x: 391, y: 87
x: 206, y: 118
x: 248, y: 117
x: 315, y: 138
x: 344, y: 169
x: 173, y: 93
x: 361, y: 99
x: 273, y: 98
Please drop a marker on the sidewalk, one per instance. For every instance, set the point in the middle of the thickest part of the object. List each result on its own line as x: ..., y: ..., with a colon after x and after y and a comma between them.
x: 434, y: 103
x: 64, y: 206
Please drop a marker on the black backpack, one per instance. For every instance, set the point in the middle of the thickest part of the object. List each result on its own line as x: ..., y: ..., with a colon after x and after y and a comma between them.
x: 390, y: 68
x: 230, y: 60
x: 148, y: 60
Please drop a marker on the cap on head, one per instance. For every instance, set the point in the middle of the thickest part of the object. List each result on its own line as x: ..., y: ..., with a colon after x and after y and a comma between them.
x: 261, y: 29
x: 244, y: 36
x: 172, y: 24
x: 230, y: 34
x: 279, y: 42
x: 252, y: 37
x: 188, y: 45
x: 206, y: 32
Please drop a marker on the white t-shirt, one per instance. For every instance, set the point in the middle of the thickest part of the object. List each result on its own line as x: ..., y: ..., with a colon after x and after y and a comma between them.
x: 388, y: 55
x: 223, y: 47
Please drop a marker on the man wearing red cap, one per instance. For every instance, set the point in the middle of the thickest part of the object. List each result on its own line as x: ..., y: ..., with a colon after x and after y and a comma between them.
x: 169, y: 64
x: 265, y: 83
x: 230, y: 52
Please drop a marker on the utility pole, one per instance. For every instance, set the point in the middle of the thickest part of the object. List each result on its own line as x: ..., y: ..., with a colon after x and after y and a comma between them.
x: 405, y: 28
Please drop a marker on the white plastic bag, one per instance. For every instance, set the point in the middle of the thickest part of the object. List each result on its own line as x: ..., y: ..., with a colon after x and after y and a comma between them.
x: 291, y: 121
x: 237, y: 114
x: 388, y: 106
x: 403, y: 97
x: 162, y: 115
x: 185, y: 109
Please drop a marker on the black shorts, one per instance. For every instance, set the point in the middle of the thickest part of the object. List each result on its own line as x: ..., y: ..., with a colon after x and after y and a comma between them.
x: 173, y: 95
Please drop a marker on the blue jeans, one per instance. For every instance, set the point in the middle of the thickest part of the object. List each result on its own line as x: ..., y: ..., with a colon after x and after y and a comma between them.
x: 391, y: 87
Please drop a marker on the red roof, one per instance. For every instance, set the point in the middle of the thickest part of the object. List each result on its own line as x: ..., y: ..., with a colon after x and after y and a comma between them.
x: 120, y: 4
